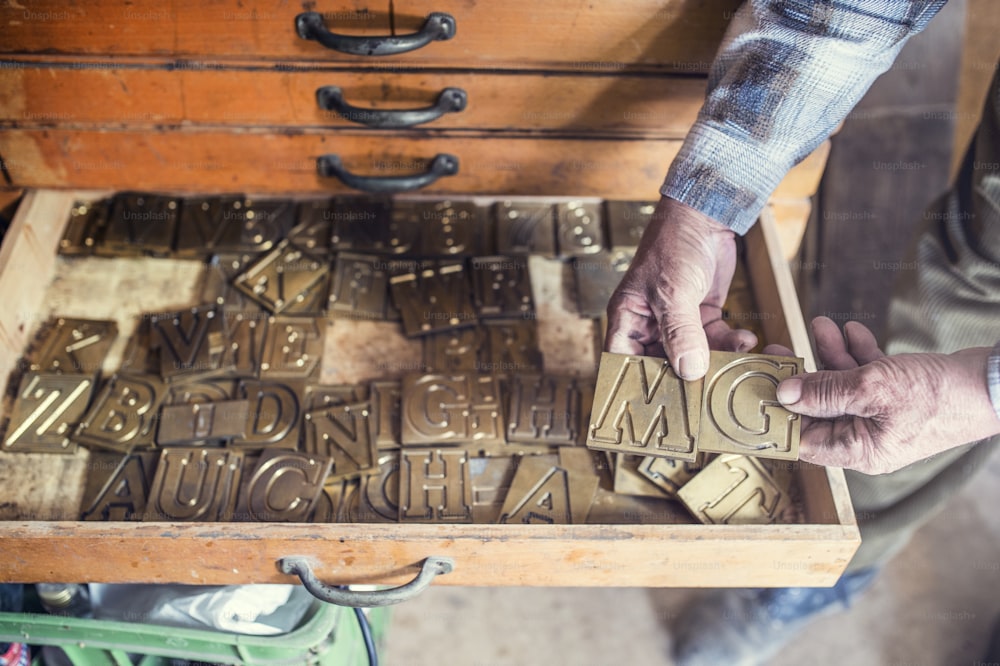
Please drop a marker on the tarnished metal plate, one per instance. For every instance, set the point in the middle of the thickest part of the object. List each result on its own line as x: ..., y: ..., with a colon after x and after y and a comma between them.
x: 544, y: 409
x: 123, y: 494
x: 85, y: 226
x: 138, y: 224
x: 628, y: 480
x: 359, y: 288
x: 191, y: 342
x: 741, y: 413
x: 282, y: 277
x: 273, y: 416
x: 385, y: 399
x: 626, y: 222
x: 502, y: 287
x: 435, y: 486
x: 77, y: 346
x: 451, y: 409
x: 461, y: 350
x: 641, y: 407
x: 245, y: 336
x: 313, y: 226
x: 513, y: 345
x: 368, y: 225
x: 265, y: 223
x: 670, y: 475
x: 734, y: 490
x: 209, y: 225
x: 491, y: 478
x: 47, y: 409
x: 202, y: 421
x: 432, y: 297
x: 284, y: 487
x: 551, y: 489
x: 343, y: 434
x: 525, y: 228
x: 194, y: 484
x: 123, y: 415
x: 319, y: 396
x: 448, y: 229
x: 579, y: 229
x: 595, y: 279
x: 217, y: 283
x: 293, y: 348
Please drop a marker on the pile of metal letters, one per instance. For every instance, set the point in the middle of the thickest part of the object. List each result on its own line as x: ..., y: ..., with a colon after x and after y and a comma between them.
x: 216, y: 412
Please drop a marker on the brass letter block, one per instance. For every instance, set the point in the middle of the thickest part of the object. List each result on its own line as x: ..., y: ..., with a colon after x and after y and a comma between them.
x: 626, y: 222
x: 313, y: 227
x: 198, y: 422
x: 138, y: 224
x: 629, y: 481
x: 434, y: 486
x: 491, y: 478
x: 85, y: 226
x: 194, y: 484
x: 451, y: 409
x: 669, y: 474
x: 273, y: 415
x: 433, y: 297
x: 386, y: 399
x: 741, y: 413
x: 461, y: 350
x: 343, y: 434
x: 190, y: 342
x: 513, y: 345
x: 76, y: 346
x: 46, y: 411
x: 551, y: 489
x: 578, y: 229
x: 544, y: 409
x: 502, y: 287
x: 642, y: 408
x: 366, y: 224
x: 284, y: 487
x: 124, y: 494
x: 321, y: 396
x: 734, y: 490
x: 525, y: 228
x: 211, y: 224
x: 217, y: 283
x: 448, y: 229
x: 243, y: 350
x: 282, y: 277
x: 124, y: 413
x: 360, y: 288
x: 266, y: 222
x: 293, y: 348
x: 378, y: 498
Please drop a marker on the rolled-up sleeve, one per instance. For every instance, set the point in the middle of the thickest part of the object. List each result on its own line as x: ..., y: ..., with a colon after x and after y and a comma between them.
x: 787, y: 73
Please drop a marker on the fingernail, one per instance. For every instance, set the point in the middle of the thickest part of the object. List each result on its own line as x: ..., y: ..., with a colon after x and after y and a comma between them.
x: 691, y: 366
x: 790, y: 391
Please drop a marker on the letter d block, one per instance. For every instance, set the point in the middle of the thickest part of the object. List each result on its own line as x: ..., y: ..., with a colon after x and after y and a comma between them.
x: 642, y: 408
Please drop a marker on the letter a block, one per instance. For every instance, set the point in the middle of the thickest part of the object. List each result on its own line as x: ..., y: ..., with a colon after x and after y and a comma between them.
x: 642, y: 408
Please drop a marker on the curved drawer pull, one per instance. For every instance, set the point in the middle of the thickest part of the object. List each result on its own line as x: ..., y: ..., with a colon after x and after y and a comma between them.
x: 331, y: 98
x: 442, y: 165
x: 438, y: 27
x: 299, y: 566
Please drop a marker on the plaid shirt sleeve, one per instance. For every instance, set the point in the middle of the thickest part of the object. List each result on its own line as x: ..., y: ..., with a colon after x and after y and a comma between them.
x: 787, y: 73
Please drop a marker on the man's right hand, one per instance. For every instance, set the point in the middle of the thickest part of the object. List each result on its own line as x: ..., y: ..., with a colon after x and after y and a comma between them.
x: 672, y: 295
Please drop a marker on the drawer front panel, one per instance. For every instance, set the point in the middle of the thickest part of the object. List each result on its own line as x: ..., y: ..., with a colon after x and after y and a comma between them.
x: 664, y: 107
x: 672, y: 35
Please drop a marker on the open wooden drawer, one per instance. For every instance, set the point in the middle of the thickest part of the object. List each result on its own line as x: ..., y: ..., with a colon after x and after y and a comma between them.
x: 813, y: 553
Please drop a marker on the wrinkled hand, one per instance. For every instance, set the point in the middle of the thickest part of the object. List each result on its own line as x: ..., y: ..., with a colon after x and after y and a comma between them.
x: 672, y: 295
x: 875, y: 413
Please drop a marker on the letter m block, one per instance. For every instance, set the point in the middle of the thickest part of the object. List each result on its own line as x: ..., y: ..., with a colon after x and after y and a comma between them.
x: 641, y: 407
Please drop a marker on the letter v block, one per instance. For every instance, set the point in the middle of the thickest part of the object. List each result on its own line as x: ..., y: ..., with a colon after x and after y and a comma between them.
x: 741, y: 413
x: 641, y: 407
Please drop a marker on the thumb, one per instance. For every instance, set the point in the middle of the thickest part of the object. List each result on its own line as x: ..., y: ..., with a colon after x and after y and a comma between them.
x: 685, y: 343
x: 825, y: 394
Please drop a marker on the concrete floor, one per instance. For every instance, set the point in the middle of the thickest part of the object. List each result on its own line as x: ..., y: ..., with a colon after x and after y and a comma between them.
x: 934, y: 605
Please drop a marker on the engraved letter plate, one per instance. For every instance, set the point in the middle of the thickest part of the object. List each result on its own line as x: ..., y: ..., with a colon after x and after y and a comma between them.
x: 734, y: 490
x: 435, y: 486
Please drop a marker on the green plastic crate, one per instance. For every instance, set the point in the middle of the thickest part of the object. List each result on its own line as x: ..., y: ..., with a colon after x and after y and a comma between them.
x: 329, y: 636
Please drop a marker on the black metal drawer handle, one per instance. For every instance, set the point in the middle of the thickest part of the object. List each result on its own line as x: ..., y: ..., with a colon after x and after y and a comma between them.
x: 299, y: 566
x: 442, y: 165
x: 331, y: 98
x: 438, y: 27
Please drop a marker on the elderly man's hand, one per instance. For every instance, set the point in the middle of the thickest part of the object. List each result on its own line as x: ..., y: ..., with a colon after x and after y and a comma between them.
x: 875, y: 413
x: 672, y: 295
